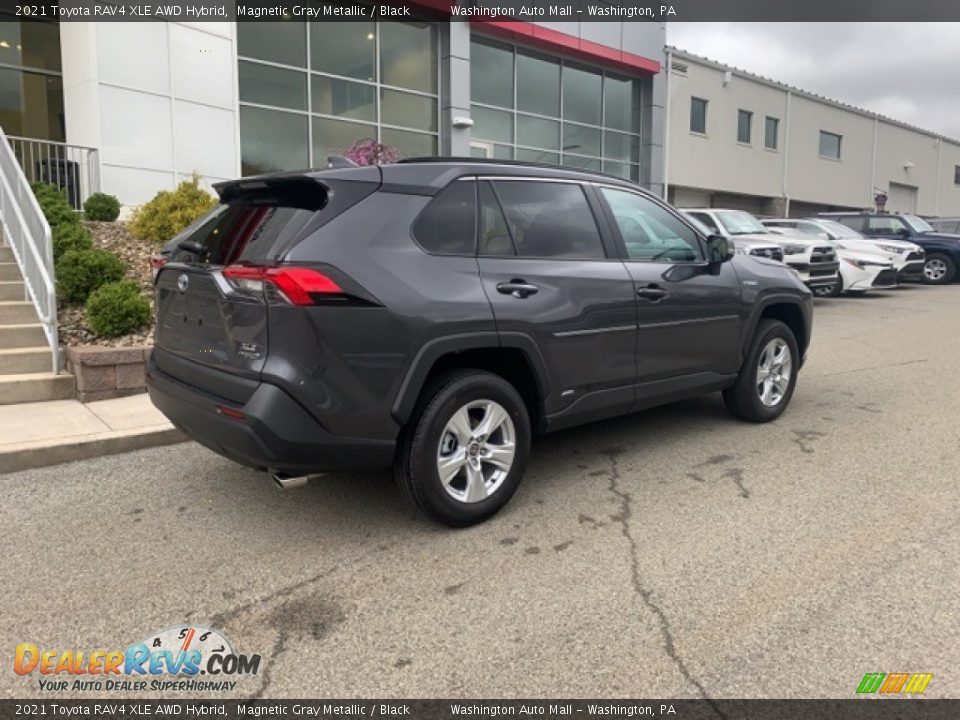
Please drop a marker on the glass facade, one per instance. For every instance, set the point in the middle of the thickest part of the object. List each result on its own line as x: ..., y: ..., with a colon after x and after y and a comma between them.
x: 535, y: 107
x: 31, y: 87
x: 309, y: 90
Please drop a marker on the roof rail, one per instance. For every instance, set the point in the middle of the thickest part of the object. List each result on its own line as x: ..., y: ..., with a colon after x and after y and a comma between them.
x: 340, y: 161
x: 515, y: 163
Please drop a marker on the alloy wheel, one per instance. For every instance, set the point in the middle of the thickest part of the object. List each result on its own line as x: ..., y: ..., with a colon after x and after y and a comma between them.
x: 935, y: 269
x: 773, y: 372
x: 476, y: 451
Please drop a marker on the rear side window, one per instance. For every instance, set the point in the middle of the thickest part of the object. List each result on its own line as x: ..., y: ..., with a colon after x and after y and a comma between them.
x: 549, y: 219
x: 885, y: 225
x: 446, y: 225
x: 854, y: 223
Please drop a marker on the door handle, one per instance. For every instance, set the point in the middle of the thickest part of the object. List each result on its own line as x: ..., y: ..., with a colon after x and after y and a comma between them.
x: 517, y: 288
x: 652, y: 293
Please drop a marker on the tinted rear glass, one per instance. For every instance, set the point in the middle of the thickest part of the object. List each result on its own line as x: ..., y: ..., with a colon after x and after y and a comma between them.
x: 240, y: 233
x: 446, y: 226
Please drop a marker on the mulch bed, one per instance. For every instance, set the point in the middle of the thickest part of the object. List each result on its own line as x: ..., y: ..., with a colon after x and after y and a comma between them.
x: 135, y: 255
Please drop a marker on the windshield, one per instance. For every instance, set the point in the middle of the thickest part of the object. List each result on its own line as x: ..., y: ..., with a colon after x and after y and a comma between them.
x: 737, y: 222
x: 839, y: 230
x: 917, y: 224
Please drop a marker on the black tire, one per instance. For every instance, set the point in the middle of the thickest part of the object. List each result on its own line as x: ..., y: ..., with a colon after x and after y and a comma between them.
x: 743, y: 400
x: 939, y: 270
x: 415, y: 467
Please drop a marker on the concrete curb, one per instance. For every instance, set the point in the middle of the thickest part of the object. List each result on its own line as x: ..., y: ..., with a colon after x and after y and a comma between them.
x: 31, y: 455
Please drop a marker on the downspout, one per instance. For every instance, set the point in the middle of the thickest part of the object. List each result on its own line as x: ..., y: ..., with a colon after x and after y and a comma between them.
x: 786, y: 157
x: 873, y: 165
x: 666, y: 129
x: 936, y: 201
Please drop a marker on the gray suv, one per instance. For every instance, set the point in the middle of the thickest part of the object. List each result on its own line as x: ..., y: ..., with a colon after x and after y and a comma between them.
x: 432, y: 315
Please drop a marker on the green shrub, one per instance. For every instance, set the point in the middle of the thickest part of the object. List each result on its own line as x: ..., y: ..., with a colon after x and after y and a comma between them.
x: 170, y: 212
x: 101, y: 207
x: 70, y: 236
x: 54, y: 205
x: 80, y: 272
x: 117, y: 308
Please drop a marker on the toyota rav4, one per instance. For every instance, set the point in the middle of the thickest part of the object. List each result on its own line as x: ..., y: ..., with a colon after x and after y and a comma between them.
x: 432, y: 315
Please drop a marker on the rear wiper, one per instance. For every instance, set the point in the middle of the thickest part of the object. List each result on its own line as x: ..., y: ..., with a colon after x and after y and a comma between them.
x: 193, y: 247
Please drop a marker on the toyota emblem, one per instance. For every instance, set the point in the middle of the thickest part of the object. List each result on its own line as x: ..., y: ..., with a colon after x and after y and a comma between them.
x: 182, y: 282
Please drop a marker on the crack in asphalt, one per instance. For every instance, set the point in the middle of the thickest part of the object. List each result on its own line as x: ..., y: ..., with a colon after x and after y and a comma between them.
x: 645, y: 594
x: 279, y: 647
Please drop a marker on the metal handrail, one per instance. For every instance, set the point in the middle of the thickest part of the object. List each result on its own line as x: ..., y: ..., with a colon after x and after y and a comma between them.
x: 73, y: 168
x: 27, y: 232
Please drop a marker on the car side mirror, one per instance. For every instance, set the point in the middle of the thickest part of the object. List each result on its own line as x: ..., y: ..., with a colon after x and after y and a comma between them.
x: 719, y: 250
x: 903, y: 232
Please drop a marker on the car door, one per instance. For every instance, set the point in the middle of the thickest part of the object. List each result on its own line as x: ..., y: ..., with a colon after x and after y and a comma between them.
x: 688, y: 316
x: 547, y: 274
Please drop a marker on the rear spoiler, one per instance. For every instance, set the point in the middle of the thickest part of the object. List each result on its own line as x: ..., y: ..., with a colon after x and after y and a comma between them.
x: 309, y: 190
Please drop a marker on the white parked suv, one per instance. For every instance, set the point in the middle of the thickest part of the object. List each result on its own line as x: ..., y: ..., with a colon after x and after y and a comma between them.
x: 743, y: 244
x: 814, y: 260
x: 908, y: 258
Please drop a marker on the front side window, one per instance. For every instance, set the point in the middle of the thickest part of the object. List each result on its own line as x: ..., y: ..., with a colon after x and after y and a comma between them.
x: 549, y: 219
x: 650, y: 232
x: 698, y: 115
x: 771, y: 132
x: 917, y: 224
x: 744, y: 123
x: 830, y: 145
x: 885, y: 225
x: 446, y: 225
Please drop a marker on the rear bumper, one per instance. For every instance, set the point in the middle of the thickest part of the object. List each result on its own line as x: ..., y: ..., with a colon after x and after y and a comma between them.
x: 274, y: 432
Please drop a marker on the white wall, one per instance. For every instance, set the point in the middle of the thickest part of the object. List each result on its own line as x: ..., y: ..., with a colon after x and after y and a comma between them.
x: 158, y: 99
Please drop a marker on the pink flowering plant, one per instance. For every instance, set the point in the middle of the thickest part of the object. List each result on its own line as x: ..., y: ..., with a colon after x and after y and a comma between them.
x: 370, y: 152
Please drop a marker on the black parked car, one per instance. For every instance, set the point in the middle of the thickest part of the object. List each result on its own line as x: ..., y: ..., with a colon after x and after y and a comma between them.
x: 942, y: 249
x: 432, y: 315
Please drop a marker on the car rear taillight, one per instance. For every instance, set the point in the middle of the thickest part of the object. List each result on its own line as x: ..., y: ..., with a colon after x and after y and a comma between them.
x: 296, y: 285
x: 156, y: 265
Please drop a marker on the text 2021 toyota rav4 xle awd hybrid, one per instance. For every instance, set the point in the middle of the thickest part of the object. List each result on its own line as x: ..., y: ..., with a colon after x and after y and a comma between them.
x: 433, y: 315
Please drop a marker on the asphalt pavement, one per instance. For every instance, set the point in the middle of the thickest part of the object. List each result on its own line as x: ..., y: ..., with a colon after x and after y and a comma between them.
x: 673, y: 553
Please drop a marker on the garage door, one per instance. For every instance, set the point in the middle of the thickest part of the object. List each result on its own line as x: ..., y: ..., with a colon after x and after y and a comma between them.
x: 902, y: 198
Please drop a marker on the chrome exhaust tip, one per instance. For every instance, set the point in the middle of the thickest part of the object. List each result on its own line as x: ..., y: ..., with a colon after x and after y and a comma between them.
x: 287, y: 482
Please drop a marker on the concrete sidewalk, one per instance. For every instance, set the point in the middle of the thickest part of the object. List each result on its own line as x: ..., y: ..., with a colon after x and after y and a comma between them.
x: 48, y: 433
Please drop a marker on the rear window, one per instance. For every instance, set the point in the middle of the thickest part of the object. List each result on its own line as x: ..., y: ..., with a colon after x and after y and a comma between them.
x: 446, y: 226
x: 239, y: 233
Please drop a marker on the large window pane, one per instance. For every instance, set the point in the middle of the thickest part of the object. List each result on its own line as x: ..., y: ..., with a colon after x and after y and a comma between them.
x: 334, y: 137
x: 34, y: 43
x: 492, y: 124
x: 830, y: 145
x: 621, y: 98
x: 408, y: 143
x: 744, y: 126
x: 771, y: 133
x: 491, y: 76
x: 271, y: 140
x: 618, y: 146
x: 584, y: 163
x: 698, y: 115
x: 538, y: 85
x: 280, y: 42
x: 266, y: 85
x: 343, y: 48
x: 538, y: 156
x: 581, y: 140
x: 408, y: 110
x: 408, y: 55
x: 31, y: 105
x: 624, y: 170
x: 331, y: 96
x: 581, y: 95
x: 538, y: 132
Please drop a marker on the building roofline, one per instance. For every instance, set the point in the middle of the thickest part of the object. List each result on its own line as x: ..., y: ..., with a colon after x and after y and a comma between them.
x: 716, y: 64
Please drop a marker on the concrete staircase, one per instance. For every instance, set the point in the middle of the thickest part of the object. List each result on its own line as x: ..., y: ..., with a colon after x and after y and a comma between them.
x: 25, y: 358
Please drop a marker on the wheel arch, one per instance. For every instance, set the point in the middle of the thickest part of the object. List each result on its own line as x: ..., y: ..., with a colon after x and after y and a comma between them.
x: 787, y: 309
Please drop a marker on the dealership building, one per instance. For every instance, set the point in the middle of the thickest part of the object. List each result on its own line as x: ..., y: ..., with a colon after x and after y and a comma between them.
x: 739, y: 140
x: 146, y: 104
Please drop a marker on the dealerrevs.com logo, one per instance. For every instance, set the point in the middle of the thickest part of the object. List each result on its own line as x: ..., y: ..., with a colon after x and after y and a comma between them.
x: 186, y: 657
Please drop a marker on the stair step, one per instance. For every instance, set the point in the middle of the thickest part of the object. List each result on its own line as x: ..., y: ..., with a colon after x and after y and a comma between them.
x: 35, y: 387
x: 11, y: 290
x: 6, y: 254
x: 25, y: 360
x: 9, y: 271
x: 16, y: 313
x: 22, y: 335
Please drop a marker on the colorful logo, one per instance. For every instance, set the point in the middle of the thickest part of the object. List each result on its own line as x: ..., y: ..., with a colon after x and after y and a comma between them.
x: 183, y: 653
x: 894, y: 683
